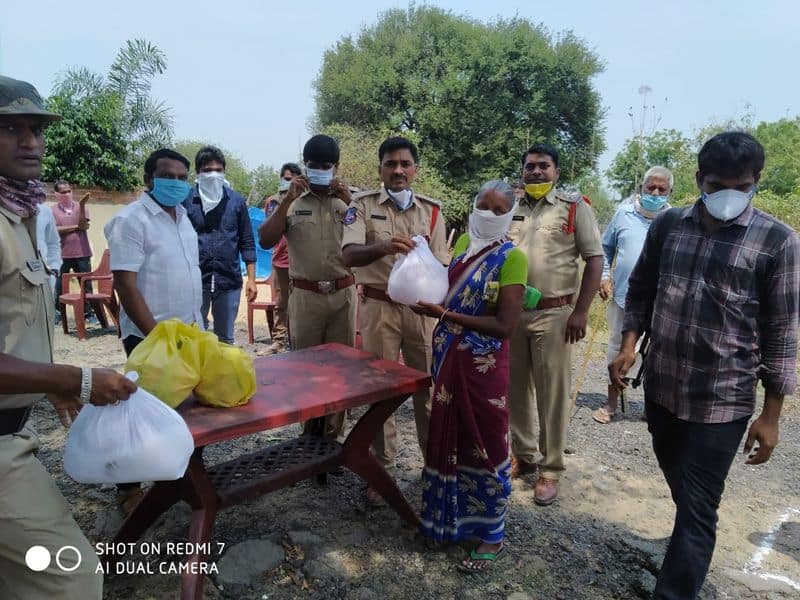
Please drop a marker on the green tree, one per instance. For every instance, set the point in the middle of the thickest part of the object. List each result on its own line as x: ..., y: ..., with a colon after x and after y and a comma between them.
x: 264, y: 182
x: 781, y: 140
x: 88, y: 147
x: 475, y: 94
x: 120, y: 103
x: 590, y: 185
x: 667, y: 148
x: 147, y: 123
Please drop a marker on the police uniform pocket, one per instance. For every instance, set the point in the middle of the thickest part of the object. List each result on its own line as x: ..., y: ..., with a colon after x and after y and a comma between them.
x: 378, y: 235
x: 301, y: 218
x: 31, y: 293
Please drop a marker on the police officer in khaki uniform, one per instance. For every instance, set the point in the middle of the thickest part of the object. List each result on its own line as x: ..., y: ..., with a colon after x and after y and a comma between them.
x: 380, y: 225
x: 322, y: 303
x: 43, y: 553
x: 554, y: 229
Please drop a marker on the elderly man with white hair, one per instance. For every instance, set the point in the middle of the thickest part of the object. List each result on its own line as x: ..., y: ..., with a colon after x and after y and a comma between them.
x: 622, y: 243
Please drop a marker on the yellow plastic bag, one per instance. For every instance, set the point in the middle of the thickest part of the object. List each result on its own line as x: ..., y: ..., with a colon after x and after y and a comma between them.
x: 170, y: 360
x: 228, y: 380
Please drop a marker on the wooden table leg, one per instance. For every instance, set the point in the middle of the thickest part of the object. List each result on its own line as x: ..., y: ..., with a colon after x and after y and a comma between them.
x: 203, y: 499
x: 358, y: 458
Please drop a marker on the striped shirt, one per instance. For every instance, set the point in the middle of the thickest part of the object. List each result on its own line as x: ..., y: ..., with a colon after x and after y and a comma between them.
x: 722, y: 309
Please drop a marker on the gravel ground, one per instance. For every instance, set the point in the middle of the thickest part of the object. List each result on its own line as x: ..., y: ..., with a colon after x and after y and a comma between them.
x: 604, y: 538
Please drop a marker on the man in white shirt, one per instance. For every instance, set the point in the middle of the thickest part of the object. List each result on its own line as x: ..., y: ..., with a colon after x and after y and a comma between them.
x: 155, y: 261
x: 154, y: 253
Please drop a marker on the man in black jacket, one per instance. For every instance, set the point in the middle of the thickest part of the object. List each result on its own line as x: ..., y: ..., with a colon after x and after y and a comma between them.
x: 219, y: 216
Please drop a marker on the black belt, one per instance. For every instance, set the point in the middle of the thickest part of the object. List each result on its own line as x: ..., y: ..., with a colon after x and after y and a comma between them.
x: 13, y: 419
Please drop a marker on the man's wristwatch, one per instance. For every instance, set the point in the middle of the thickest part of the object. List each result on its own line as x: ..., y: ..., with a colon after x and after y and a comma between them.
x: 86, y: 385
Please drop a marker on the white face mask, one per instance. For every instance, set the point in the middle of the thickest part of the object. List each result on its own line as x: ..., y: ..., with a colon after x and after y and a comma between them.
x: 284, y: 184
x: 210, y: 185
x: 320, y: 177
x: 402, y: 200
x: 486, y: 228
x: 726, y: 205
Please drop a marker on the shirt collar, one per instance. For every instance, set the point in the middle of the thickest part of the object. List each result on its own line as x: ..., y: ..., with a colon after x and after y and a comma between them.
x: 11, y: 216
x: 743, y: 220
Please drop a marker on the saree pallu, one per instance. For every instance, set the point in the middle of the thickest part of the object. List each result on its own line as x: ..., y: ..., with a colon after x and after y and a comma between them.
x: 466, y: 481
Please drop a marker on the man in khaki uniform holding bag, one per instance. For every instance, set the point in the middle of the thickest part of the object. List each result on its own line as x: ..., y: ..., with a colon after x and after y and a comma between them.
x: 554, y: 229
x: 379, y: 226
x: 322, y: 304
x: 43, y: 553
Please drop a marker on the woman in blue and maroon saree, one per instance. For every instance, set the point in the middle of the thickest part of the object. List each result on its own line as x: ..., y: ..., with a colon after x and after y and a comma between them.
x: 466, y: 480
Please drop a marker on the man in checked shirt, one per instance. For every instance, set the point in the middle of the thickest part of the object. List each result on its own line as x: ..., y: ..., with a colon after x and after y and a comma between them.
x: 718, y: 287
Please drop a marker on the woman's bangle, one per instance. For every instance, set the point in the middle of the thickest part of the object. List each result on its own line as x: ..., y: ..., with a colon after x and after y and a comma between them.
x: 441, y: 317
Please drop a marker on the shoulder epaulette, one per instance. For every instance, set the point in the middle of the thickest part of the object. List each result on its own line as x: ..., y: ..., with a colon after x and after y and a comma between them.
x: 365, y: 193
x: 429, y: 200
x: 569, y: 227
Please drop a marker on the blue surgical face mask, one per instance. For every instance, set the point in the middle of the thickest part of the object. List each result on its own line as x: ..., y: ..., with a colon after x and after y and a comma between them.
x: 653, y: 203
x: 284, y: 184
x: 170, y: 192
x: 320, y: 177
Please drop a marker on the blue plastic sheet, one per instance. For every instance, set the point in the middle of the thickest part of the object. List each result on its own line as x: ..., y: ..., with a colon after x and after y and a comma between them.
x: 263, y: 257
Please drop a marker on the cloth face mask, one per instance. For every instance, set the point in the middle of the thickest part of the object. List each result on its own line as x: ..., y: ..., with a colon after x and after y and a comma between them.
x: 21, y: 197
x: 486, y: 228
x: 538, y: 190
x: 65, y: 201
x: 210, y: 185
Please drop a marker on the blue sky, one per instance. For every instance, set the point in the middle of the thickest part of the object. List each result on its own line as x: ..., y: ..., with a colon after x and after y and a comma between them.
x: 240, y: 72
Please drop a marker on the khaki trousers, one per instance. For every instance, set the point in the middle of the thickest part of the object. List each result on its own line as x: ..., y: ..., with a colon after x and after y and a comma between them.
x: 386, y: 330
x: 280, y: 332
x: 34, y: 513
x: 541, y: 366
x: 316, y: 319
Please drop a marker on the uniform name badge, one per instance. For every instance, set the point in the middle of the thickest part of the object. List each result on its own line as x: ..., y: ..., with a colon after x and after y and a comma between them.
x: 34, y: 265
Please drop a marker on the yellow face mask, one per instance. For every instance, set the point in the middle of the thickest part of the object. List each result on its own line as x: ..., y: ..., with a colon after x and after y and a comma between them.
x: 538, y: 190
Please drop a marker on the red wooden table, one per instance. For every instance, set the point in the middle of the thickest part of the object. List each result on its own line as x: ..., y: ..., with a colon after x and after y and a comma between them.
x: 291, y: 387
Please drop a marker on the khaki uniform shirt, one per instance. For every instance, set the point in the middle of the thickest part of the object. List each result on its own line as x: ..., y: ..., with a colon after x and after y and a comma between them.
x: 26, y: 300
x: 377, y: 219
x: 314, y: 227
x: 539, y: 230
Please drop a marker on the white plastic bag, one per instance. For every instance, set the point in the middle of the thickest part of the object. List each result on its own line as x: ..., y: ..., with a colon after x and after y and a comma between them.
x: 139, y: 439
x: 418, y: 276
